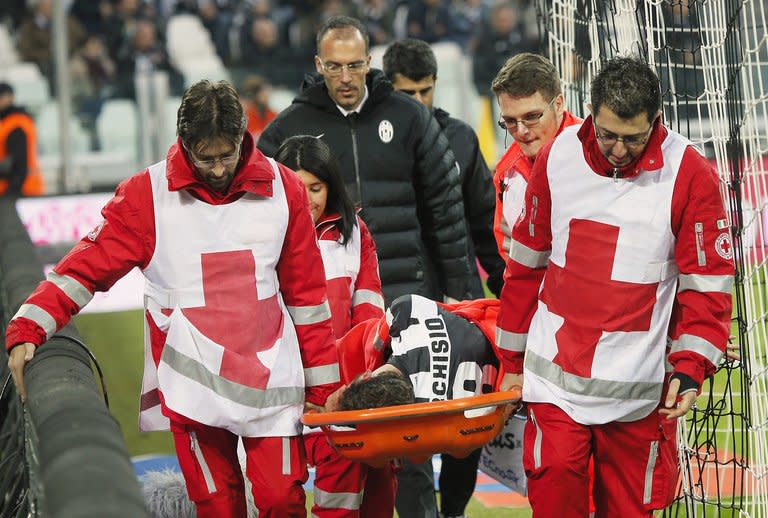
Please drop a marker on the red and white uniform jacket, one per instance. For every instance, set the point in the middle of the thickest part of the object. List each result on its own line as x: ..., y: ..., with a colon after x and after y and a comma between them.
x: 237, y: 325
x: 351, y: 274
x: 510, y: 179
x: 605, y: 268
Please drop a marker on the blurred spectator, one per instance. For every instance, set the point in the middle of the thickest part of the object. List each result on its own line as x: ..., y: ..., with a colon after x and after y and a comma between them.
x: 145, y: 55
x: 467, y: 17
x: 91, y: 14
x: 19, y: 172
x: 310, y: 15
x: 35, y: 35
x: 119, y: 24
x: 502, y: 36
x: 429, y: 20
x: 254, y: 95
x: 378, y: 16
x: 92, y: 74
x: 262, y: 52
x: 12, y: 12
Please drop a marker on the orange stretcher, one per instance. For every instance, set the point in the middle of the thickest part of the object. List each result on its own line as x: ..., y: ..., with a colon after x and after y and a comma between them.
x: 415, y: 431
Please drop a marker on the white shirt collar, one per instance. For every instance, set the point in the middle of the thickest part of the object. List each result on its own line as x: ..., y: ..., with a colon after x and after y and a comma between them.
x: 359, y: 106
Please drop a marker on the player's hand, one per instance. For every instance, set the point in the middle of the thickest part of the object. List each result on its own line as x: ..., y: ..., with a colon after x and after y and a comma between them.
x: 311, y: 407
x: 20, y: 355
x: 511, y: 382
x: 332, y: 404
x: 672, y: 410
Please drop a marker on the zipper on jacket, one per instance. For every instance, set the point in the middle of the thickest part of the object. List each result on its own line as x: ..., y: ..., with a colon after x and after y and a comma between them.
x: 352, y: 119
x: 198, y: 452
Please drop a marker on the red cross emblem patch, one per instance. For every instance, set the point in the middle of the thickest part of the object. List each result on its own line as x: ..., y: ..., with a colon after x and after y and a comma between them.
x: 723, y: 246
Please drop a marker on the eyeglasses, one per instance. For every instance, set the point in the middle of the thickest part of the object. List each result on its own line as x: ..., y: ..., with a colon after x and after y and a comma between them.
x: 226, y: 160
x: 633, y: 141
x: 335, y: 69
x: 529, y: 121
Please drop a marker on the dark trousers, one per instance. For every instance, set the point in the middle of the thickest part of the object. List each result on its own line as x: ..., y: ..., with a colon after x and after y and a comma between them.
x: 457, y: 482
x: 415, y: 488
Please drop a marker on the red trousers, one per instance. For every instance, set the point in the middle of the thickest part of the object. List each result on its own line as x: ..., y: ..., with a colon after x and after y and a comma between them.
x: 347, y: 489
x: 275, y: 466
x: 635, y: 465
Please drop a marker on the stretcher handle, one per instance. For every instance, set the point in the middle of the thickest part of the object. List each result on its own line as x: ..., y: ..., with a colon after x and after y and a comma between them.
x: 391, y: 413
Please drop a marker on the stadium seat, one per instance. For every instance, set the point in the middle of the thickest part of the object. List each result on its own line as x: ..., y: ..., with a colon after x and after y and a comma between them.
x: 187, y: 39
x: 49, y: 135
x: 281, y: 98
x: 31, y: 88
x: 117, y: 128
x: 202, y: 68
x: 8, y: 54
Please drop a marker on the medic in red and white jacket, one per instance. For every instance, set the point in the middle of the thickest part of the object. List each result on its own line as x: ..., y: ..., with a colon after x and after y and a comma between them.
x: 510, y: 178
x: 237, y: 331
x: 629, y: 264
x: 351, y: 273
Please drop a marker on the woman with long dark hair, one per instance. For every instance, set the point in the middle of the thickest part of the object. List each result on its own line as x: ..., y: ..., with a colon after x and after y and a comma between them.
x: 354, y: 294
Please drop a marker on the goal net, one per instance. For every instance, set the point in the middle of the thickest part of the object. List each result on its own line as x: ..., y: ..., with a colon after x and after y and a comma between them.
x: 712, y: 59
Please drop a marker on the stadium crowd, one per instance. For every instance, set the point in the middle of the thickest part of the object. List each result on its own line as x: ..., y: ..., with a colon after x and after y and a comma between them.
x: 110, y: 40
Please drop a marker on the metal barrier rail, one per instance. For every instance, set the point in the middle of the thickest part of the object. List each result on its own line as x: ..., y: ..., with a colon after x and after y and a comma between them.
x: 62, y: 453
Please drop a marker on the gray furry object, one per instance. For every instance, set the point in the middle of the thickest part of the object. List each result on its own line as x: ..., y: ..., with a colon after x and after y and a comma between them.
x: 166, y: 495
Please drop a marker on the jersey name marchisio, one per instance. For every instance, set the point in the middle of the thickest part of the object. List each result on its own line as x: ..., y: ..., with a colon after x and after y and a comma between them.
x: 597, y: 340
x: 445, y: 356
x: 231, y: 357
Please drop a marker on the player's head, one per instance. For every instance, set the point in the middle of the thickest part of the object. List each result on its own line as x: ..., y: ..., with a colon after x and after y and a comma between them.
x: 312, y: 159
x: 625, y: 103
x: 530, y: 99
x: 211, y: 124
x: 386, y: 388
x: 343, y: 59
x: 412, y: 68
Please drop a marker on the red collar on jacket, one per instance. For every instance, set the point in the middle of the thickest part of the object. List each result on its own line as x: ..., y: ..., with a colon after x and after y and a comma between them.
x: 326, y: 223
x: 650, y: 159
x: 254, y: 175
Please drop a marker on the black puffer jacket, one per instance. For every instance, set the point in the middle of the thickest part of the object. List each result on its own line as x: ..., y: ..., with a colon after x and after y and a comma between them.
x: 479, y: 201
x: 397, y: 165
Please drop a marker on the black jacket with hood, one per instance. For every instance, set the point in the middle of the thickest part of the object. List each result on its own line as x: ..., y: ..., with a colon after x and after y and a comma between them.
x: 479, y: 202
x: 399, y: 168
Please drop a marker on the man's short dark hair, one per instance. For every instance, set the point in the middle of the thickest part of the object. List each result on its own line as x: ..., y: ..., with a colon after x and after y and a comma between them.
x: 210, y: 110
x: 410, y: 58
x: 628, y: 87
x: 525, y: 74
x: 389, y: 388
x: 343, y: 22
x: 5, y: 88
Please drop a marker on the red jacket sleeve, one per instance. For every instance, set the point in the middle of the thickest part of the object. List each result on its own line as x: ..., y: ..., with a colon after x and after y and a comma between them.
x: 123, y: 240
x: 367, y: 299
x: 302, y: 284
x: 701, y: 315
x: 528, y: 258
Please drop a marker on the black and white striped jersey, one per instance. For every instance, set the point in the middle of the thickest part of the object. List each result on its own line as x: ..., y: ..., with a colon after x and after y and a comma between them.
x: 444, y: 355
